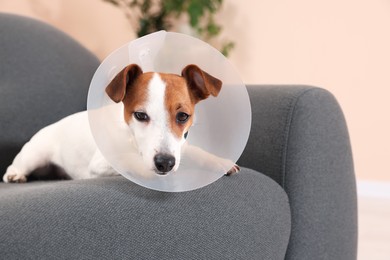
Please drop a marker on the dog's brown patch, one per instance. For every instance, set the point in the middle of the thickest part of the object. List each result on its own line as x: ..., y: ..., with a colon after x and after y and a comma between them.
x: 181, y: 93
x: 119, y: 85
x: 177, y: 99
x: 137, y: 95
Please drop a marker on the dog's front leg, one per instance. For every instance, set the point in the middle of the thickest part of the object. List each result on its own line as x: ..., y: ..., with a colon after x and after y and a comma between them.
x: 204, y: 159
x: 99, y: 167
x: 35, y: 154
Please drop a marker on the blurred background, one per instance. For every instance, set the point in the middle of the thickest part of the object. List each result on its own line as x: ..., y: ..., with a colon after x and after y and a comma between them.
x: 342, y: 46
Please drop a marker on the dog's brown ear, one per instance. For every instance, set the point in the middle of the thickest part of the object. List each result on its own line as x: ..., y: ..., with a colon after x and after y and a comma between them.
x: 117, y: 88
x: 201, y: 83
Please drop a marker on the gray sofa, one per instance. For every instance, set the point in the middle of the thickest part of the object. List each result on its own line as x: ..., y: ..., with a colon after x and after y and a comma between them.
x: 295, y: 197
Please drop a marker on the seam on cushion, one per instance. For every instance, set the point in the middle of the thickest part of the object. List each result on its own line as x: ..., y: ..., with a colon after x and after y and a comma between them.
x: 287, y: 130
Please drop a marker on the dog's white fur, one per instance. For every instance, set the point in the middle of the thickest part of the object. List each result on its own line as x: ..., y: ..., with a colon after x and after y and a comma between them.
x: 69, y: 143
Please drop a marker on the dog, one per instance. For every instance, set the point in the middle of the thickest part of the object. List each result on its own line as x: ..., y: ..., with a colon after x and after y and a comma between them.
x: 158, y: 110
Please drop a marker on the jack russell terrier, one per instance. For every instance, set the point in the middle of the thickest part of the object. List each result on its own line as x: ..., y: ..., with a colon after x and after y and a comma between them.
x: 158, y: 110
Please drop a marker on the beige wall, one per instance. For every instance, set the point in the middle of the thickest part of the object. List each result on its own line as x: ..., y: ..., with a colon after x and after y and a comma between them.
x: 343, y: 46
x: 99, y: 26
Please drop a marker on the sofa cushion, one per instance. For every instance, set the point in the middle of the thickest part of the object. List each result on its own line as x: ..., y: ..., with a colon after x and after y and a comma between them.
x: 244, y: 216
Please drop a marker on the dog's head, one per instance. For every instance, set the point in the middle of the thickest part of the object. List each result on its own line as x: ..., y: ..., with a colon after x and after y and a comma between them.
x: 159, y: 110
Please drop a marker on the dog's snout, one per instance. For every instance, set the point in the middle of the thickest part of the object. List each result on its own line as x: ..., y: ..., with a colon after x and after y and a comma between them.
x: 164, y: 163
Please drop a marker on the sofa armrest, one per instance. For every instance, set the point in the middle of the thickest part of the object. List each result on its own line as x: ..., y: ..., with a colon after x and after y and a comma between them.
x: 44, y: 76
x: 300, y: 139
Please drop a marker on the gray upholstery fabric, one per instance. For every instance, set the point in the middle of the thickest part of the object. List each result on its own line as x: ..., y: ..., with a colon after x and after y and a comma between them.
x: 245, y: 216
x: 44, y: 76
x: 299, y: 138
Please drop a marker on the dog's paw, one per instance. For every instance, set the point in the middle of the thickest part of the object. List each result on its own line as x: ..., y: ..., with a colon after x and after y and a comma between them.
x: 235, y: 169
x: 13, y: 177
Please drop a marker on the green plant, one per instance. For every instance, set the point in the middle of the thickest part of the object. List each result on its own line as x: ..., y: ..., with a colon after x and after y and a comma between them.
x: 153, y: 15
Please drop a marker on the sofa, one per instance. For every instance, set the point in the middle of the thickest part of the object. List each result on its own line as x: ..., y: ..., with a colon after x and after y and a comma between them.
x: 295, y: 197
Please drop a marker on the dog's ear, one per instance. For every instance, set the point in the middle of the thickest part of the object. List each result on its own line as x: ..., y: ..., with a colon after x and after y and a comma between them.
x: 200, y: 83
x: 118, y: 87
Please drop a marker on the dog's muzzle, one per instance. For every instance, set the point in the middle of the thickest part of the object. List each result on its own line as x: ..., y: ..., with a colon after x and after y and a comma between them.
x: 164, y: 163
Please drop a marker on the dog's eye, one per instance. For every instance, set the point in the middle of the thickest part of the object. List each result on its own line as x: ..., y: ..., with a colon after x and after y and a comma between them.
x: 182, y: 117
x: 141, y: 116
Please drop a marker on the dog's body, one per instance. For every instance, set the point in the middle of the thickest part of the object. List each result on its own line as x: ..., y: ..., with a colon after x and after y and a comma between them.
x: 68, y: 144
x: 158, y: 110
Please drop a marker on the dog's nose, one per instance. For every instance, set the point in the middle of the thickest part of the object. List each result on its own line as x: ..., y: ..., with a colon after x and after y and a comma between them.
x: 164, y: 163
